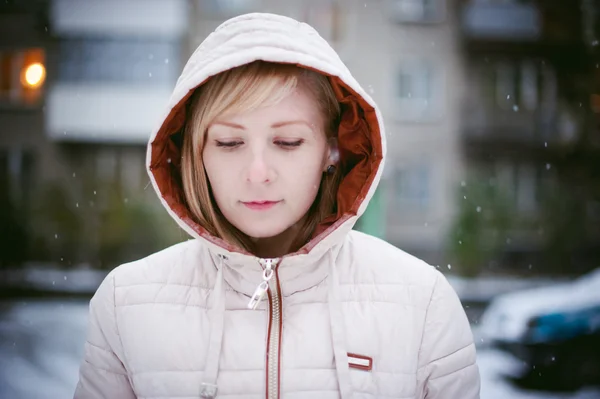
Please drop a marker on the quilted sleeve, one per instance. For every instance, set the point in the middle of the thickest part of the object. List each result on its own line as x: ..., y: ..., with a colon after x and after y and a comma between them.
x: 102, y: 373
x: 447, y: 358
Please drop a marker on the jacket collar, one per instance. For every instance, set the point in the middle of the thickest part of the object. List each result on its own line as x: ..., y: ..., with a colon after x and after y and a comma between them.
x: 296, y: 272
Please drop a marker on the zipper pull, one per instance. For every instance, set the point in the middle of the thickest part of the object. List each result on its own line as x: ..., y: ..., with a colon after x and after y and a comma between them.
x: 259, y: 294
x: 263, y: 287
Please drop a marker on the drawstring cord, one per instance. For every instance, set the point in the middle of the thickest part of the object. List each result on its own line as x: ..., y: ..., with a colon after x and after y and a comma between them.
x: 217, y: 317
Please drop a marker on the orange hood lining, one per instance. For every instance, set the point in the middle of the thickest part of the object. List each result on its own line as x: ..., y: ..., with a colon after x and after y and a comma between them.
x: 360, y: 147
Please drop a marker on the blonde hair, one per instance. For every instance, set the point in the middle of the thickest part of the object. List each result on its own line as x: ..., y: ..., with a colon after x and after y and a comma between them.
x: 243, y: 89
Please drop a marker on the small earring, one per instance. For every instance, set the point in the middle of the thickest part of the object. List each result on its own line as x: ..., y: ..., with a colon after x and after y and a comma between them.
x: 331, y: 169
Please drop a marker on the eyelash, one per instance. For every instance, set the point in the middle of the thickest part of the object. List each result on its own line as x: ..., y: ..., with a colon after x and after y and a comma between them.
x: 284, y: 144
x: 289, y: 144
x: 228, y: 144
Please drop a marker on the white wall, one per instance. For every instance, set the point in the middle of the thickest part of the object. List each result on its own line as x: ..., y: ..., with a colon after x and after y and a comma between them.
x: 120, y: 111
x: 141, y: 17
x: 104, y: 113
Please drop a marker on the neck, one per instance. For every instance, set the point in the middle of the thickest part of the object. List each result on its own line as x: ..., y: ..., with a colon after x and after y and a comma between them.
x: 279, y: 245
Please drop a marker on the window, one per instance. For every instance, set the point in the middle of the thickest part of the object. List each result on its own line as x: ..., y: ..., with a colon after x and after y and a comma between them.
x: 115, y: 166
x: 549, y: 89
x: 6, y: 73
x: 228, y: 8
x: 416, y: 84
x: 412, y: 188
x: 119, y: 60
x: 22, y: 76
x: 417, y: 11
x: 132, y: 168
x: 106, y: 164
x: 17, y: 176
x: 506, y: 85
x: 521, y: 183
x: 326, y: 17
x: 526, y: 190
x: 419, y: 91
x: 517, y: 85
x: 529, y: 85
x: 501, y: 19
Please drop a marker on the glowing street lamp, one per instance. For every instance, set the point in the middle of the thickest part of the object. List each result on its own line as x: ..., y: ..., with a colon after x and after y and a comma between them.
x: 33, y: 75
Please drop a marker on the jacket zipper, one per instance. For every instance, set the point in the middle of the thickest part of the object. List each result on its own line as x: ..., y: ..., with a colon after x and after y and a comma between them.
x: 270, y: 287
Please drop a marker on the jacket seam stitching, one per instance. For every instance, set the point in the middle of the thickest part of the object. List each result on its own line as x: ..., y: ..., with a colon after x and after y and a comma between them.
x: 355, y: 391
x: 170, y: 303
x: 105, y: 370
x: 98, y: 347
x: 292, y: 391
x: 306, y: 289
x: 398, y: 303
x: 437, y: 277
x: 162, y: 283
x: 259, y: 370
x: 117, y: 323
x: 379, y: 283
x: 452, y: 372
x: 448, y: 355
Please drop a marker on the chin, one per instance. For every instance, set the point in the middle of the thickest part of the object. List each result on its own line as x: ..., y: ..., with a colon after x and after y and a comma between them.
x: 265, y: 231
x: 266, y: 227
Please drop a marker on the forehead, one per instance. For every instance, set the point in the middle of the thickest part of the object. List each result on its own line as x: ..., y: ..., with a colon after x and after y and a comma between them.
x: 299, y: 104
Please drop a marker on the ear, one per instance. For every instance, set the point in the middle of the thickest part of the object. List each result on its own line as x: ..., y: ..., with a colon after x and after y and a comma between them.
x: 327, y: 158
x: 331, y: 154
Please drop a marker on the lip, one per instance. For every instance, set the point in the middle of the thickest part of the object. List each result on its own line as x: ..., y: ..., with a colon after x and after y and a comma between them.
x: 260, y: 205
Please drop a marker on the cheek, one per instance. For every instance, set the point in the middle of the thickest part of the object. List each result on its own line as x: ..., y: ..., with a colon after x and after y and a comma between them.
x: 304, y: 181
x: 217, y: 173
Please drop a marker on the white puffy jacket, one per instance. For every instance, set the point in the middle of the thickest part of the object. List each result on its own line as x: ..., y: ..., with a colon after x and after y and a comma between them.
x: 347, y: 316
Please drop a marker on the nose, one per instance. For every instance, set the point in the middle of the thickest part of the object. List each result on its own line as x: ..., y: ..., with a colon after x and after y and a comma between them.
x: 259, y: 170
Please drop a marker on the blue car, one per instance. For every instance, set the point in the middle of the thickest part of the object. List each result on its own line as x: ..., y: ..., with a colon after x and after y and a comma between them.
x: 554, y: 330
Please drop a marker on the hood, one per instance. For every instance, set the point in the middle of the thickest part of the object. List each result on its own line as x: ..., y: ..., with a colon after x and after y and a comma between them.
x: 268, y: 37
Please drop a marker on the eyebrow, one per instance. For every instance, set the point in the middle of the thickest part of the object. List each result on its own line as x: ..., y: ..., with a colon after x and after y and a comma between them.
x: 293, y: 122
x: 274, y: 125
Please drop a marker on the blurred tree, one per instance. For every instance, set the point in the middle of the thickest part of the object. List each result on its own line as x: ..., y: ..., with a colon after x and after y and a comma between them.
x: 479, y: 230
x: 102, y: 233
x: 57, y: 226
x: 14, y: 243
x: 131, y: 229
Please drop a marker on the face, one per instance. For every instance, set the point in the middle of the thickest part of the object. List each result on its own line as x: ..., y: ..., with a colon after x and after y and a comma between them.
x: 265, y: 165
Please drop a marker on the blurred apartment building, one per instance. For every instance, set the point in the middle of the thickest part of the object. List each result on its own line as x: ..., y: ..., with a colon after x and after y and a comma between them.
x: 528, y: 128
x: 405, y: 54
x: 112, y: 65
x: 474, y: 92
x: 72, y: 150
x: 489, y: 90
x: 115, y: 64
x: 22, y: 82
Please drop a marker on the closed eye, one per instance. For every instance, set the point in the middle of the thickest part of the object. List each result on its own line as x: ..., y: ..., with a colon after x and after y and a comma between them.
x: 229, y: 144
x: 289, y: 144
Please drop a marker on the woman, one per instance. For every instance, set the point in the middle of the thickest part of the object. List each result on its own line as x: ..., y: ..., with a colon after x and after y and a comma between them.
x: 269, y: 153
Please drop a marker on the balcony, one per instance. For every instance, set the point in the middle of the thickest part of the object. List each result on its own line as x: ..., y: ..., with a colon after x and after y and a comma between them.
x: 117, y: 17
x: 524, y: 133
x: 487, y: 127
x: 104, y: 113
x: 508, y: 21
x: 504, y: 124
x: 416, y: 11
